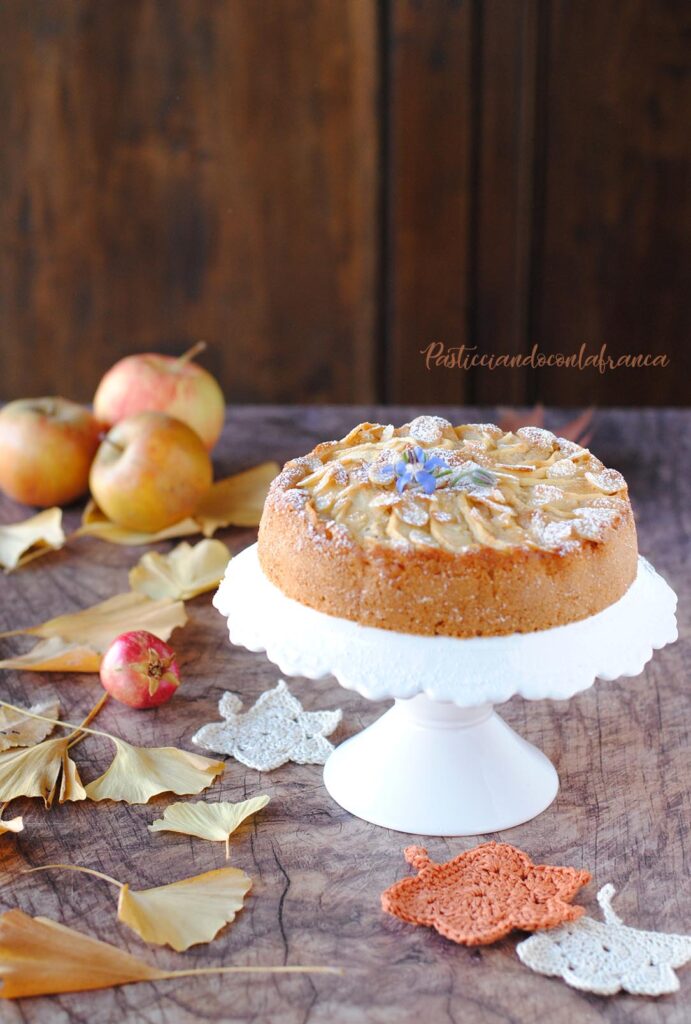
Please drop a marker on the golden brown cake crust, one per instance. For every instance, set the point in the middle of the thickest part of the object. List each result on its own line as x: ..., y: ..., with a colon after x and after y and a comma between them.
x: 520, y: 576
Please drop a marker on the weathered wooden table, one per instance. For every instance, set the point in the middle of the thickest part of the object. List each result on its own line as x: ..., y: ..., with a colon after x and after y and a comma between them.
x: 622, y: 810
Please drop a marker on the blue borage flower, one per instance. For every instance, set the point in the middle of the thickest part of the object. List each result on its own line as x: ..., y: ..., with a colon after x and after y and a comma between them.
x: 419, y: 470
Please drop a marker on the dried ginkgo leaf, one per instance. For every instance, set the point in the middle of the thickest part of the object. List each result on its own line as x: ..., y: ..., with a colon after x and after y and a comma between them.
x: 21, y: 542
x: 237, y: 500
x: 183, y: 573
x: 215, y: 822
x: 136, y: 774
x: 46, y: 768
x: 39, y: 957
x: 96, y: 524
x: 11, y: 824
x: 55, y: 655
x: 19, y: 729
x: 42, y: 770
x: 187, y: 912
x: 97, y: 626
x: 180, y: 914
x: 80, y: 638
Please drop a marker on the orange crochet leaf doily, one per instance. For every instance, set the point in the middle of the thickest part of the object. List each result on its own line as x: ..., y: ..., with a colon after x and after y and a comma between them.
x: 481, y: 895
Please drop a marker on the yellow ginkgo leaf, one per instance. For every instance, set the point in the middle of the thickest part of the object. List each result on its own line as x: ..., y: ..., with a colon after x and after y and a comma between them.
x: 39, y: 957
x: 75, y: 642
x: 11, y: 824
x: 187, y: 912
x: 19, y: 729
x: 23, y: 541
x: 237, y: 500
x: 55, y: 655
x: 96, y: 524
x: 136, y: 774
x: 42, y: 770
x: 183, y: 573
x: 215, y: 822
x: 96, y: 627
x: 180, y: 914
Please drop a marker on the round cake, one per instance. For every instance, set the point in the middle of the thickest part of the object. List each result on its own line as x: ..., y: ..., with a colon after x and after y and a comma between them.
x: 456, y: 531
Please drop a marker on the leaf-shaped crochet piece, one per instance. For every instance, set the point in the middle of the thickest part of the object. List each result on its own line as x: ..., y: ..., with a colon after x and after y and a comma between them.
x: 484, y: 893
x: 215, y: 822
x: 237, y: 500
x: 185, y: 913
x: 21, y: 542
x: 96, y: 524
x: 42, y: 770
x: 39, y: 957
x: 183, y: 573
x: 275, y: 730
x: 607, y: 956
x: 136, y: 774
x: 17, y: 729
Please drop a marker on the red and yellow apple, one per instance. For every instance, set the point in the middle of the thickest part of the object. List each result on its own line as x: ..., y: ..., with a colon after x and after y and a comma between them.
x: 150, y: 471
x: 178, y: 387
x: 46, y: 449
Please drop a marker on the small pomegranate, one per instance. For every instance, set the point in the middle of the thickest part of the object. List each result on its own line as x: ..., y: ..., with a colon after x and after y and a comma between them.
x: 140, y: 670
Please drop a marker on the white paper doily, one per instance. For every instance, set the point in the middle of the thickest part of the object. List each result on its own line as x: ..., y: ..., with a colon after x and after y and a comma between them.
x: 379, y: 664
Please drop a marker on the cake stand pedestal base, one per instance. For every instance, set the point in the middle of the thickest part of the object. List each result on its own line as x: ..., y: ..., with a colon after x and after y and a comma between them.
x: 433, y: 768
x: 440, y: 762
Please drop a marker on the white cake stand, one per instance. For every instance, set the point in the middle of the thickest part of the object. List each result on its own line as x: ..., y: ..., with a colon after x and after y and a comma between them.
x: 441, y: 761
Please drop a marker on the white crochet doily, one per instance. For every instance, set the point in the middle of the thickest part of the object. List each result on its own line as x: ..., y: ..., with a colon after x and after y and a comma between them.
x: 275, y: 730
x: 606, y: 957
x: 379, y: 663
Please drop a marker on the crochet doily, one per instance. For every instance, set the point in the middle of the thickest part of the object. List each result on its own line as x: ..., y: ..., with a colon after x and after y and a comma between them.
x: 275, y: 730
x: 484, y: 893
x: 606, y: 957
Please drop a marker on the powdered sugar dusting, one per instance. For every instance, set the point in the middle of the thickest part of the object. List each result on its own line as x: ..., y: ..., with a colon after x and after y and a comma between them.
x: 545, y: 494
x: 563, y: 468
x: 544, y: 440
x: 549, y: 534
x: 570, y: 448
x: 592, y: 523
x: 428, y: 429
x: 488, y: 488
x: 413, y: 513
x: 609, y: 481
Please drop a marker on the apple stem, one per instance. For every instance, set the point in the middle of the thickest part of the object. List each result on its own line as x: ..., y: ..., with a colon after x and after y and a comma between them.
x: 105, y: 439
x: 187, y: 356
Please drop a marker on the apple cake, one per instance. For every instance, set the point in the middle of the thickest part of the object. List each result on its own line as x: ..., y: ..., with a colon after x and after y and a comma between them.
x: 458, y: 531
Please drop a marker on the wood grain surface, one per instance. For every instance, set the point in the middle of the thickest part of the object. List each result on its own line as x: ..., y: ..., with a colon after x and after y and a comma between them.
x: 321, y: 188
x: 189, y: 169
x: 621, y: 749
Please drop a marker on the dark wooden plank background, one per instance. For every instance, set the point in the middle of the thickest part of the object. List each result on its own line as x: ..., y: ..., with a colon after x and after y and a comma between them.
x: 621, y: 749
x: 319, y: 188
